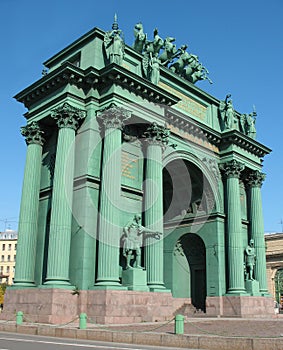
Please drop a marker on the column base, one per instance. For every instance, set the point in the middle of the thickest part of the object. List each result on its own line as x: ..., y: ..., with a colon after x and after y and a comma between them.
x: 158, y: 288
x: 21, y: 285
x: 57, y: 284
x: 237, y: 292
x: 108, y: 285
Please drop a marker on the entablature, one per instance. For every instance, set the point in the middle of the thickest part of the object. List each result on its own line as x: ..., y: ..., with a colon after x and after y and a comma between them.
x: 235, y: 137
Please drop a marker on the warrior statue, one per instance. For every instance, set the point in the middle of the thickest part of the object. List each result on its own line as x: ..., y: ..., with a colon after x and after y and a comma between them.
x: 133, y: 241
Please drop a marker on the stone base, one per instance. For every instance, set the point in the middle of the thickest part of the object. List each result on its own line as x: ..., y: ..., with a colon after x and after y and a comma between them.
x: 240, y: 306
x: 252, y: 287
x: 135, y: 279
x: 58, y: 306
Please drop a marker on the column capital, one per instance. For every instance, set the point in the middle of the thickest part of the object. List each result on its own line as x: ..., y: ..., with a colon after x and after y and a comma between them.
x: 33, y: 134
x: 68, y: 116
x: 254, y: 179
x: 157, y: 135
x: 113, y: 116
x: 233, y: 168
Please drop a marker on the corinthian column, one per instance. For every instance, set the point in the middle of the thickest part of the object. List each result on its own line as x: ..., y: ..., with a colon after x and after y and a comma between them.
x: 254, y: 182
x: 67, y: 118
x: 232, y: 171
x: 112, y: 119
x: 27, y: 236
x: 156, y: 139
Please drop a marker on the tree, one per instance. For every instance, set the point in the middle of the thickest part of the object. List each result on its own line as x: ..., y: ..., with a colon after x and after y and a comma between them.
x: 3, y: 287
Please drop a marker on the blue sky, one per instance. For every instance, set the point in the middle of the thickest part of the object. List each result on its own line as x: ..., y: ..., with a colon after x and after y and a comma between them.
x: 240, y: 42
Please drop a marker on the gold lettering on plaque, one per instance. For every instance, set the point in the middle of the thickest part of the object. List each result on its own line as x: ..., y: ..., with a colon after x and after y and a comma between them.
x: 128, y: 165
x: 186, y: 104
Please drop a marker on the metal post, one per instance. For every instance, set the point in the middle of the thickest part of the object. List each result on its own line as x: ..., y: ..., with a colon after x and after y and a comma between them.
x: 83, y: 318
x: 19, y: 318
x: 179, y: 324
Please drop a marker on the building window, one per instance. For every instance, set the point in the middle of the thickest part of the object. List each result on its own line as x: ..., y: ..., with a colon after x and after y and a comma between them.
x: 8, y: 269
x: 9, y: 258
x: 1, y: 269
x: 9, y: 246
x: 2, y: 258
x: 16, y: 246
x: 14, y: 257
x: 3, y: 246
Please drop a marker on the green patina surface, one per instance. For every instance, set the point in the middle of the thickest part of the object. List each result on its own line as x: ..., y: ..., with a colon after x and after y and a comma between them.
x: 114, y: 130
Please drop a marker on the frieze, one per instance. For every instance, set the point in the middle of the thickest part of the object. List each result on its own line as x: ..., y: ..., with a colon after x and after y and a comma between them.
x: 186, y: 104
x: 195, y: 138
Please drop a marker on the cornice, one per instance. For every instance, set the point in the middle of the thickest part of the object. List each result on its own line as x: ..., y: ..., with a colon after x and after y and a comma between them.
x: 193, y: 127
x: 235, y: 137
x: 66, y: 73
x: 119, y: 75
x: 91, y: 77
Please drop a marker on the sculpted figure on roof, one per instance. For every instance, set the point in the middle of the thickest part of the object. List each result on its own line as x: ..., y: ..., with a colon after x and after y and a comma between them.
x: 114, y: 44
x: 179, y: 61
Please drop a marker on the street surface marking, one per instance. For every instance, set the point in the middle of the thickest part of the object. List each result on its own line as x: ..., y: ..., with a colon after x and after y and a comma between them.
x: 67, y: 344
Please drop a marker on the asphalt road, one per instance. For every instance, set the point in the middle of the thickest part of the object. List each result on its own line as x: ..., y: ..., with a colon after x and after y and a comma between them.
x: 13, y: 341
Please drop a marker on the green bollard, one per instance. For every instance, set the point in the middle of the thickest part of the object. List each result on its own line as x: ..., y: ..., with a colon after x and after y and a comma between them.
x: 179, y: 324
x: 19, y: 318
x: 83, y: 318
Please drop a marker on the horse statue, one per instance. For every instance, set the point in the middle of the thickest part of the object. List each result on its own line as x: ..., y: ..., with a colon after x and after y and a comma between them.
x: 170, y: 51
x: 182, y: 61
x: 140, y: 38
x: 154, y: 46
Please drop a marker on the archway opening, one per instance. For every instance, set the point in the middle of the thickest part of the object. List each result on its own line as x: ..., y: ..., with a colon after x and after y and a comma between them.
x: 186, y: 191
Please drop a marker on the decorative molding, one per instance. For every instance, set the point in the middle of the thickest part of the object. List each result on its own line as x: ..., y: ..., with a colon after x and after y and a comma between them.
x: 157, y: 135
x: 212, y: 166
x: 254, y: 179
x: 113, y: 116
x: 68, y: 116
x: 233, y: 168
x: 33, y: 134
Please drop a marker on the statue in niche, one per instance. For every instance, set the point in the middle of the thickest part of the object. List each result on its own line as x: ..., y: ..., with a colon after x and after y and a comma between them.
x: 140, y: 38
x: 250, y: 259
x: 227, y: 112
x: 114, y: 44
x: 132, y: 241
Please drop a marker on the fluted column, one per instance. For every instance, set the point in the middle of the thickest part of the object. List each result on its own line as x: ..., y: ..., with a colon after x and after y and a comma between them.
x: 232, y: 171
x: 67, y: 118
x: 254, y: 182
x: 28, y: 221
x: 156, y: 139
x: 112, y: 120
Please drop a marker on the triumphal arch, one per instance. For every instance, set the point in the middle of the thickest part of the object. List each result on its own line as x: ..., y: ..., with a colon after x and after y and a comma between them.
x: 142, y: 193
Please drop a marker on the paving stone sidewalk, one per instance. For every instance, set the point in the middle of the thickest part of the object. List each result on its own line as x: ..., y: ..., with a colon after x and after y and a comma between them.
x: 235, y: 327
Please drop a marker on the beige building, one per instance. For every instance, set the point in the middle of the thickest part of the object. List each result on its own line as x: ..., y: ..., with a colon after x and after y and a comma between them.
x: 274, y: 264
x: 8, y: 248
